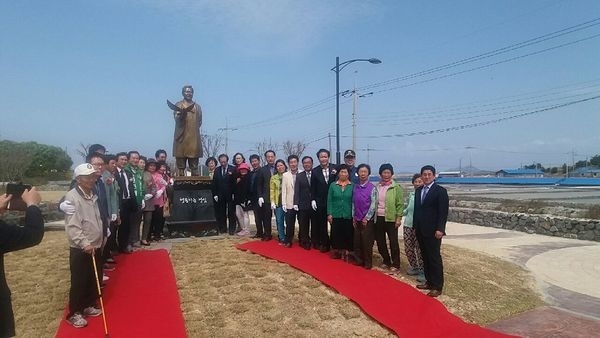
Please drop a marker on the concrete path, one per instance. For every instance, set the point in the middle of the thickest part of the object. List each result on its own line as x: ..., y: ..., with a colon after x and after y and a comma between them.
x: 567, y: 272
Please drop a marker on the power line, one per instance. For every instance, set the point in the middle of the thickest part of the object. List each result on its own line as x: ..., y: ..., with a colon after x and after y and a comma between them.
x: 479, y: 124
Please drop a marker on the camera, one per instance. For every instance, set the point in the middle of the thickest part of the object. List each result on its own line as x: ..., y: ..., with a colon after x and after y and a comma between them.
x: 16, y: 190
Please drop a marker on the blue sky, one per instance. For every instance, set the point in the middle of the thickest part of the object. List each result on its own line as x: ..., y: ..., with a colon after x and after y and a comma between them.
x: 85, y: 72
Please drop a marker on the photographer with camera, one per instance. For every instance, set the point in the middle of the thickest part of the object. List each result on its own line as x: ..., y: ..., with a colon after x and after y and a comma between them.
x: 13, y: 238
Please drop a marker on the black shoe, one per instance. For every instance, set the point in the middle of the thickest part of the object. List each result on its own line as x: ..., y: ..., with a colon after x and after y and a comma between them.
x: 111, y: 261
x: 324, y: 248
x: 257, y: 236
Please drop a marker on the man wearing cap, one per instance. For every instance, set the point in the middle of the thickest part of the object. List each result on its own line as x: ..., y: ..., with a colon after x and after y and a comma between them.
x: 84, y: 233
x: 350, y: 161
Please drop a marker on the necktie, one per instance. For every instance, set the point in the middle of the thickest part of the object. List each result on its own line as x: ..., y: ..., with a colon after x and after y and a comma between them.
x: 126, y: 190
x: 272, y: 170
x: 425, y: 190
x: 308, y: 177
x: 223, y: 172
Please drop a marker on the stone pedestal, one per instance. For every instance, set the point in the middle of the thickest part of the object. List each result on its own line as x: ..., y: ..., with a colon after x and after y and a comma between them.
x: 192, y: 207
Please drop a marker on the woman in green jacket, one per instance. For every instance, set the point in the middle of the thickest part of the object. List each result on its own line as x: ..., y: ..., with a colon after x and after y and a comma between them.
x: 387, y: 206
x: 276, y: 205
x: 339, y: 214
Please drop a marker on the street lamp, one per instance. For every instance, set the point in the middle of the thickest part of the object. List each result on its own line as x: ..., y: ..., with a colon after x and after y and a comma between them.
x: 338, y: 67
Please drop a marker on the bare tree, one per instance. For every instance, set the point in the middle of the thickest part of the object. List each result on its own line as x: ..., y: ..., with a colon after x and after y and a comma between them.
x: 212, y: 144
x: 264, y: 145
x: 83, y: 150
x: 293, y: 148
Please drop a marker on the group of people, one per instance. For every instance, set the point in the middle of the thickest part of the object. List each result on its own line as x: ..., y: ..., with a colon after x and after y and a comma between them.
x: 110, y: 197
x: 359, y: 212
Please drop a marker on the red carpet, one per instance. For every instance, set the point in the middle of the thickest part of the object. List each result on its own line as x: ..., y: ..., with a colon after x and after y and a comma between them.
x: 140, y: 300
x: 396, y: 305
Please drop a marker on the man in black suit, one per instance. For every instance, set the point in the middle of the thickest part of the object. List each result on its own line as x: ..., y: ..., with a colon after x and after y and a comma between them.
x: 263, y: 181
x: 429, y: 221
x: 13, y: 238
x: 222, y: 189
x: 128, y: 207
x: 253, y: 192
x: 302, y: 199
x: 321, y: 176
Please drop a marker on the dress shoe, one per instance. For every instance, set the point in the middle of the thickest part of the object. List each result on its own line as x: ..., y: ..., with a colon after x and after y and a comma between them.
x: 315, y: 246
x: 257, y: 236
x: 305, y: 246
x: 145, y: 243
x: 434, y: 293
x: 324, y: 249
x: 267, y: 238
x: 335, y: 254
x: 287, y: 245
x: 423, y: 286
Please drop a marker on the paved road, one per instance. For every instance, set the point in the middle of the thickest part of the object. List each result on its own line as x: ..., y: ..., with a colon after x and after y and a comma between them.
x: 567, y: 272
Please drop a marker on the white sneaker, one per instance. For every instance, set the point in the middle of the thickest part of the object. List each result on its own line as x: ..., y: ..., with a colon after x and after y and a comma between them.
x: 105, y: 278
x: 77, y: 320
x: 91, y: 312
x: 243, y: 233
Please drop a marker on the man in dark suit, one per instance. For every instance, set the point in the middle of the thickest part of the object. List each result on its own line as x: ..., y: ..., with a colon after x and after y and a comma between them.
x: 263, y: 181
x: 222, y: 189
x: 302, y: 199
x: 253, y: 193
x: 321, y: 176
x: 13, y: 238
x: 429, y: 221
x: 128, y: 207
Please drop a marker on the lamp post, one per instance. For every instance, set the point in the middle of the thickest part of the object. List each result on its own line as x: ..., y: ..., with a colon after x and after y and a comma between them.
x: 337, y: 69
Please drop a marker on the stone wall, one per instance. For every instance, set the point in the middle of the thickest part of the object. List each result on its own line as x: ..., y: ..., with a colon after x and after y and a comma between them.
x: 578, y: 228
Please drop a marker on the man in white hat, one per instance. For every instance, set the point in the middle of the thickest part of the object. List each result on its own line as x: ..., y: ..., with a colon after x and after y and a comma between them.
x: 84, y: 232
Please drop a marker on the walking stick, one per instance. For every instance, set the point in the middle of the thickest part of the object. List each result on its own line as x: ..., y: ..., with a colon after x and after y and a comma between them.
x: 99, y: 293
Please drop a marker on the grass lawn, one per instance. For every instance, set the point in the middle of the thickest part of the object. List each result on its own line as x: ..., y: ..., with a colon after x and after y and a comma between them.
x: 230, y: 293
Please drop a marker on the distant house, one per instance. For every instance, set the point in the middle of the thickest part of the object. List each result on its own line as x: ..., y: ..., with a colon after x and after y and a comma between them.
x: 586, y: 172
x: 450, y: 174
x: 520, y: 173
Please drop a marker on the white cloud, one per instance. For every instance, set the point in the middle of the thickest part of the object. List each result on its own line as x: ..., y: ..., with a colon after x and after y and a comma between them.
x: 267, y: 26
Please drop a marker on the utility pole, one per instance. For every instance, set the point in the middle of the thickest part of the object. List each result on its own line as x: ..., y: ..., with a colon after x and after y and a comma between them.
x: 227, y: 129
x: 329, y: 135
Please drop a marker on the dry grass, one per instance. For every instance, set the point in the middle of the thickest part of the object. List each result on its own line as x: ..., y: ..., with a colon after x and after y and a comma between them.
x: 52, y: 196
x: 226, y: 292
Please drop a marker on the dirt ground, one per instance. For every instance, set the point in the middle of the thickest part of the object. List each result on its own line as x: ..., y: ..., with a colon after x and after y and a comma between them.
x: 226, y: 292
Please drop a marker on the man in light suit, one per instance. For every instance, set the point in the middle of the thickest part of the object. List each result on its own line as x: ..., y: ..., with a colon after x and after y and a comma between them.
x: 222, y: 189
x: 429, y: 221
x: 322, y: 175
x: 288, y: 181
x: 302, y: 199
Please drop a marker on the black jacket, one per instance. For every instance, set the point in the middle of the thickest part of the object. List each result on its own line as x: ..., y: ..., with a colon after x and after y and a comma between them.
x: 319, y: 187
x: 431, y: 214
x: 13, y: 238
x: 223, y: 185
x: 302, y: 196
x: 263, y: 181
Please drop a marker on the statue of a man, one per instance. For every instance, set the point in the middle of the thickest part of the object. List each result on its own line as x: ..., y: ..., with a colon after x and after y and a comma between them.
x: 187, y: 144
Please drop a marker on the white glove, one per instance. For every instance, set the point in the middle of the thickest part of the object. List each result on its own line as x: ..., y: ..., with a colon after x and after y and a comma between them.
x: 273, y: 206
x: 148, y: 196
x: 284, y: 208
x: 261, y: 201
x: 108, y: 232
x: 113, y: 217
x: 216, y: 198
x: 159, y: 193
x: 313, y: 204
x: 143, y: 204
x: 296, y: 207
x: 67, y: 207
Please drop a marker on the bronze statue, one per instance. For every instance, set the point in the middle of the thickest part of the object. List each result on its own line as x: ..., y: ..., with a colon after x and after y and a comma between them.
x: 187, y: 143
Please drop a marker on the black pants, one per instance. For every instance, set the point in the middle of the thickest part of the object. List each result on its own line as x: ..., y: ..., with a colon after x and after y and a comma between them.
x: 127, y: 212
x: 225, y: 210
x: 264, y: 220
x: 364, y: 237
x: 84, y: 291
x: 290, y: 224
x: 383, y: 228
x: 304, y: 220
x: 158, y: 222
x: 342, y: 234
x: 319, y: 234
x: 7, y: 318
x: 111, y: 242
x: 433, y: 266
